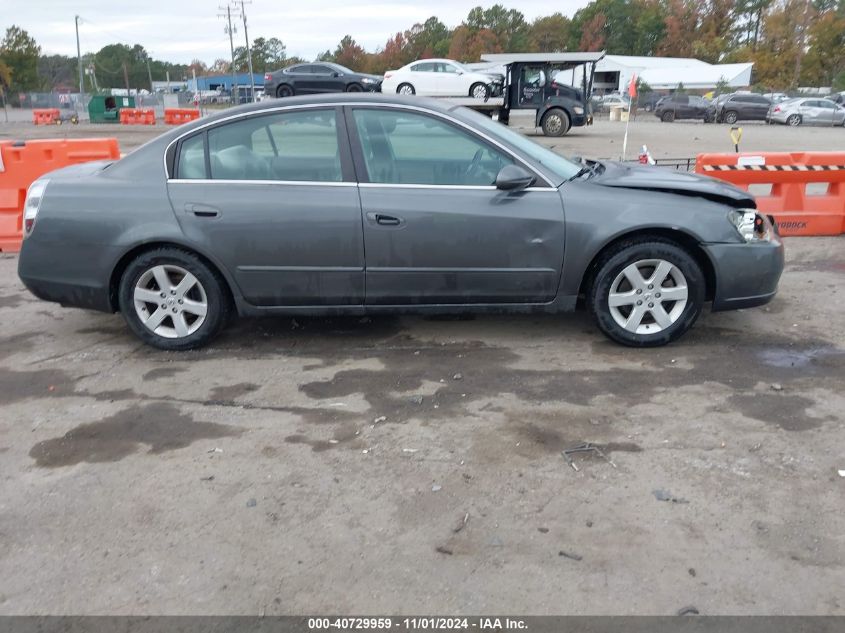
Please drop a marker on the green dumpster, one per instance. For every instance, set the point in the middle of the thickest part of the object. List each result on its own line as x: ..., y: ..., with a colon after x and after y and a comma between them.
x: 106, y: 108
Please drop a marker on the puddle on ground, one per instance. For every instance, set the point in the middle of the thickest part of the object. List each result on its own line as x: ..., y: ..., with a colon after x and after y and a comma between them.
x: 787, y: 411
x: 230, y: 393
x: 161, y: 426
x: 162, y: 372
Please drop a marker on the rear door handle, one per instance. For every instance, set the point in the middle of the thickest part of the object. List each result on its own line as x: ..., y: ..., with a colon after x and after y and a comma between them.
x: 383, y: 219
x: 202, y: 210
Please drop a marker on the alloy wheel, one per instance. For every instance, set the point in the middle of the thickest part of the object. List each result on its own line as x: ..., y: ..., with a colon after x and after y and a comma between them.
x: 648, y: 296
x: 170, y: 301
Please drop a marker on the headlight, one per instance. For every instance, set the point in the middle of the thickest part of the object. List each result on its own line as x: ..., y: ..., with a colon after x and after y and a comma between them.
x: 578, y: 110
x: 366, y: 80
x: 32, y: 204
x: 751, y: 226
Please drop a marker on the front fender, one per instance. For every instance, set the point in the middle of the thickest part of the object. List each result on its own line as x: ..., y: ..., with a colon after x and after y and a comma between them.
x: 597, y: 216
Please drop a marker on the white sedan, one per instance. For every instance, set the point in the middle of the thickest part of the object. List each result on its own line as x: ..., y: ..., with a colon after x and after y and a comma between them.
x: 439, y: 78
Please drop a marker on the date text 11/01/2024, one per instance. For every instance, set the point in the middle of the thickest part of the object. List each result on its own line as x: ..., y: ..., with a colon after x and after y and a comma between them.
x: 416, y: 623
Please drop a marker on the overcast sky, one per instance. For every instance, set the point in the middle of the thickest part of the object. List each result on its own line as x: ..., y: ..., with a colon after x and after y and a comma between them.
x: 181, y: 30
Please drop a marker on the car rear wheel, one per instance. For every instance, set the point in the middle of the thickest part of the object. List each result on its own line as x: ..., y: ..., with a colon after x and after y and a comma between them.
x: 646, y: 293
x: 172, y: 300
x: 284, y: 91
x: 794, y: 120
x: 479, y: 91
x: 668, y: 116
x: 405, y: 89
x: 730, y: 117
x: 354, y: 88
x: 555, y: 122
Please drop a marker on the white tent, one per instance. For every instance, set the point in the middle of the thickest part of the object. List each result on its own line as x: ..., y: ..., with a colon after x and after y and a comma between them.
x: 614, y: 72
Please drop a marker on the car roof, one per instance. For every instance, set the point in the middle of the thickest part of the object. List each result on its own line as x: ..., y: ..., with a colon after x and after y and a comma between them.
x: 339, y: 98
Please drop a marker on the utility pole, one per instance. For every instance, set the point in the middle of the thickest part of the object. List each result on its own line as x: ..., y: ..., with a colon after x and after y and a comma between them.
x: 228, y: 16
x: 126, y: 78
x: 79, y: 56
x: 248, y: 52
x: 149, y: 73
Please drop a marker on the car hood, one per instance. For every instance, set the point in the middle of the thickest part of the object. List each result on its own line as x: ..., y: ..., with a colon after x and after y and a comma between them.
x: 652, y: 178
x: 494, y: 77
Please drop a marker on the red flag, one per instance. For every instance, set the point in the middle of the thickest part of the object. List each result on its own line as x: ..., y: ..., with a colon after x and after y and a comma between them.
x: 632, y: 87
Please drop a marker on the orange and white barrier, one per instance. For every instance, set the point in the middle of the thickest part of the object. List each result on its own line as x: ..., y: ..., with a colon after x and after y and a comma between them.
x: 788, y: 173
x: 21, y: 163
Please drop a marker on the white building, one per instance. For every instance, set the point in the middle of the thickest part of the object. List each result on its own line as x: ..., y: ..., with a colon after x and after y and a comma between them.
x: 614, y: 72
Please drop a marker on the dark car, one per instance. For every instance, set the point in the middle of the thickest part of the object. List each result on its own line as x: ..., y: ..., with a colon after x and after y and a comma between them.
x: 368, y: 204
x: 742, y: 106
x: 318, y: 77
x: 648, y: 101
x: 682, y: 106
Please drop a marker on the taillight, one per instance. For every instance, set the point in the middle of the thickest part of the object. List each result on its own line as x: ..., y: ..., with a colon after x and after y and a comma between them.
x: 776, y: 109
x: 268, y: 77
x: 388, y: 75
x: 34, y: 195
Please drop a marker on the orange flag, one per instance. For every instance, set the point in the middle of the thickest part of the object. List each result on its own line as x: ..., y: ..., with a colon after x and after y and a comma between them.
x: 632, y: 87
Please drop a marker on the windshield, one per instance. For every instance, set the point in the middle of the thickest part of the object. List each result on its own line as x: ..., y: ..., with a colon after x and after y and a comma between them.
x: 343, y: 69
x: 562, y: 167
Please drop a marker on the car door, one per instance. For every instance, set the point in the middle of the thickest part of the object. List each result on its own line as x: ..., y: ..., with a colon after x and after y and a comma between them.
x: 827, y: 112
x: 810, y: 111
x: 436, y: 229
x: 450, y: 80
x: 273, y: 197
x: 299, y: 77
x: 760, y: 107
x: 323, y: 79
x: 424, y: 78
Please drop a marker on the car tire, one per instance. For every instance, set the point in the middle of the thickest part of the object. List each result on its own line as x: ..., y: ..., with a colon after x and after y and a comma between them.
x: 668, y: 116
x: 354, y: 88
x: 405, y: 89
x: 175, y: 326
x: 730, y: 117
x: 793, y: 120
x: 648, y: 257
x: 284, y: 91
x: 479, y: 90
x: 555, y: 122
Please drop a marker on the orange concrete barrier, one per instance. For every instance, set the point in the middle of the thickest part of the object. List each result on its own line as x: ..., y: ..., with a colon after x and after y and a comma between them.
x: 797, y: 212
x: 45, y: 116
x: 23, y: 162
x: 137, y: 116
x: 177, y: 116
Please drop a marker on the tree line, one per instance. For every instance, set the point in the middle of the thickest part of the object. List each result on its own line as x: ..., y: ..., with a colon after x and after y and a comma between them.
x: 791, y: 42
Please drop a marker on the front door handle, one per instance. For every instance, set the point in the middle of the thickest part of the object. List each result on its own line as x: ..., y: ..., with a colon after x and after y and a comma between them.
x: 383, y: 219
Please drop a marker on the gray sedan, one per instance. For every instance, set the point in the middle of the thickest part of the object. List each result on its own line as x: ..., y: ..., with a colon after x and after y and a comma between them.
x: 816, y: 111
x: 366, y: 204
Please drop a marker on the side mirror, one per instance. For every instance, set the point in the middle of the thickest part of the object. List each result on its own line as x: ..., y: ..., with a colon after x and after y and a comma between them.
x: 513, y: 178
x: 335, y: 74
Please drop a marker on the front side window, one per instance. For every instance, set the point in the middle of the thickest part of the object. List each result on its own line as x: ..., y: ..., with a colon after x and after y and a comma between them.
x: 408, y: 148
x: 293, y: 146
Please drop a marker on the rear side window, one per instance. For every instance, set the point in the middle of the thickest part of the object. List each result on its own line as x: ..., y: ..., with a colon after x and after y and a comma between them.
x: 290, y: 146
x: 192, y: 159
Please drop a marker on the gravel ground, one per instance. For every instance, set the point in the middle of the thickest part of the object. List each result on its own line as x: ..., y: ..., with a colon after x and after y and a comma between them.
x: 414, y: 465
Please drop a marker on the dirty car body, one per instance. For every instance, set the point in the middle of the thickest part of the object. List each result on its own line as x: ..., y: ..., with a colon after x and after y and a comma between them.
x: 364, y: 204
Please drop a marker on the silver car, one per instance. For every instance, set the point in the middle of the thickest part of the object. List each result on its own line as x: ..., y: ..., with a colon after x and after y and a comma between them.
x: 807, y: 111
x: 366, y: 204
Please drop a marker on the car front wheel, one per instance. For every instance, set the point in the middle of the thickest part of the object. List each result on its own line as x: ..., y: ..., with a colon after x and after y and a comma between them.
x: 646, y: 293
x: 405, y: 89
x: 172, y: 300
